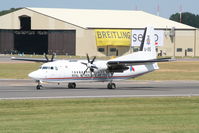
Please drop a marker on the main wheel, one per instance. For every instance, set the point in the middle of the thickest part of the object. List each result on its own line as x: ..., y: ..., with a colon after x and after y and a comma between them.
x: 71, y: 85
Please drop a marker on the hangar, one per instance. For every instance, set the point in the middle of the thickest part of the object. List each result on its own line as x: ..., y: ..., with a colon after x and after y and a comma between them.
x: 96, y: 32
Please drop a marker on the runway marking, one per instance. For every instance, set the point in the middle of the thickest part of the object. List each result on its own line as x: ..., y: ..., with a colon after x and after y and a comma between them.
x: 104, y: 96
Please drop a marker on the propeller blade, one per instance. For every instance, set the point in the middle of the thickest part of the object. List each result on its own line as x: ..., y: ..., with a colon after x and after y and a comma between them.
x: 90, y: 65
x: 85, y: 71
x: 88, y: 58
x: 52, y: 58
x: 95, y: 67
x: 93, y: 60
x: 46, y: 57
x: 84, y: 63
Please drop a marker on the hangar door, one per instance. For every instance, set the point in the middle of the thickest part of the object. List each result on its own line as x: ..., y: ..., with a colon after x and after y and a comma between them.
x: 62, y: 42
x: 30, y: 42
x: 6, y: 41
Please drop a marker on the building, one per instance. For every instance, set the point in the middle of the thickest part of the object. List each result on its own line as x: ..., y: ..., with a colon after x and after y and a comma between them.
x: 78, y: 31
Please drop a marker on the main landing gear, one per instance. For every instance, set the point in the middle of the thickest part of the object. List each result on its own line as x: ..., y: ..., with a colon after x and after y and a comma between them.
x: 72, y: 85
x: 111, y: 86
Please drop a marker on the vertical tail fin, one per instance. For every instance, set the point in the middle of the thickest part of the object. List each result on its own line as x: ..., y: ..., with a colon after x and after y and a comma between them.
x: 147, y: 48
x: 148, y: 42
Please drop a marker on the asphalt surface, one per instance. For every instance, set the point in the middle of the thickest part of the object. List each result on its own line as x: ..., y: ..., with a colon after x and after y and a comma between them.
x: 25, y: 89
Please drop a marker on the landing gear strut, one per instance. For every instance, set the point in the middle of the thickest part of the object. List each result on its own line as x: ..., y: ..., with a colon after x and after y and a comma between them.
x: 111, y: 86
x: 39, y: 86
x: 71, y: 85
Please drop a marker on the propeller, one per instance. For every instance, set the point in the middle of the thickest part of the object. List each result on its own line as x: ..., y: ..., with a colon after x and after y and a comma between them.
x: 52, y: 58
x: 90, y: 65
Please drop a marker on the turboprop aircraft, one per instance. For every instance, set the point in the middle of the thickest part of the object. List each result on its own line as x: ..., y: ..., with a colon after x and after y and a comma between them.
x: 120, y: 68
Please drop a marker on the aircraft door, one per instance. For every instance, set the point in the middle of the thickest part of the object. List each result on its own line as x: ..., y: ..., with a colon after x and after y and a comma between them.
x: 59, y: 71
x: 50, y: 72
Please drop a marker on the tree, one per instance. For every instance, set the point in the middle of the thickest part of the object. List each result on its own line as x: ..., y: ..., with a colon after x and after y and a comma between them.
x: 8, y: 11
x: 187, y: 18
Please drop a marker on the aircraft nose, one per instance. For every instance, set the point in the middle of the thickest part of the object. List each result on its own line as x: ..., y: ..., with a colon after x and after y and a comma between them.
x: 31, y: 75
x: 34, y: 75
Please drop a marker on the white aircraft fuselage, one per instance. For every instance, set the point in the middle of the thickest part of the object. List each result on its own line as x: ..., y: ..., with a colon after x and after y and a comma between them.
x: 73, y: 71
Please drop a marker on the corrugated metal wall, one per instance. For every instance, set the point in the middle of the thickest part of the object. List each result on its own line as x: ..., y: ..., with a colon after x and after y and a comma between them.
x: 6, y: 41
x: 62, y: 42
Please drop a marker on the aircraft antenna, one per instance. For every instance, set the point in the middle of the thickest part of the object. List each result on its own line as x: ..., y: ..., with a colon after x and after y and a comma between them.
x: 180, y: 12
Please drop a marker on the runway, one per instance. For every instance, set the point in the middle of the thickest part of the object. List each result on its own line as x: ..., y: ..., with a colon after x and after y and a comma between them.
x: 25, y: 89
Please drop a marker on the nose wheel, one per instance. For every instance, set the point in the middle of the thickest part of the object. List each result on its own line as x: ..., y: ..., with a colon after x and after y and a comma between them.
x: 39, y: 86
x: 71, y: 85
x: 111, y: 86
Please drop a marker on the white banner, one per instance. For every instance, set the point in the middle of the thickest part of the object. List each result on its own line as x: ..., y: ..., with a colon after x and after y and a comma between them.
x: 137, y: 37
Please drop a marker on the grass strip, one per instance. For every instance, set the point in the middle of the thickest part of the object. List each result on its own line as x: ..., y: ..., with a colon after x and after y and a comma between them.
x: 181, y: 70
x: 101, y: 115
x: 17, y: 70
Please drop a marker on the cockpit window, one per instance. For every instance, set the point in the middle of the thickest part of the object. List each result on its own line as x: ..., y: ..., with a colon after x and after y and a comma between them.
x: 47, y: 67
x: 44, y: 67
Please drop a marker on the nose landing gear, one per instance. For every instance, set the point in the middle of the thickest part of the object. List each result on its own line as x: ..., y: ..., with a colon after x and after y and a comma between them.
x: 39, y: 86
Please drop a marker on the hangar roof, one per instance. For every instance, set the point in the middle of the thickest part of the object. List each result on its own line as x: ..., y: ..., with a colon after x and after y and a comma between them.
x: 93, y: 19
x: 90, y: 18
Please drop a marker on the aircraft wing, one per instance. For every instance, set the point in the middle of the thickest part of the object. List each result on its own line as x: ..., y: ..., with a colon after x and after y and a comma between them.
x: 138, y: 62
x: 120, y: 66
x: 35, y: 59
x: 29, y: 59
